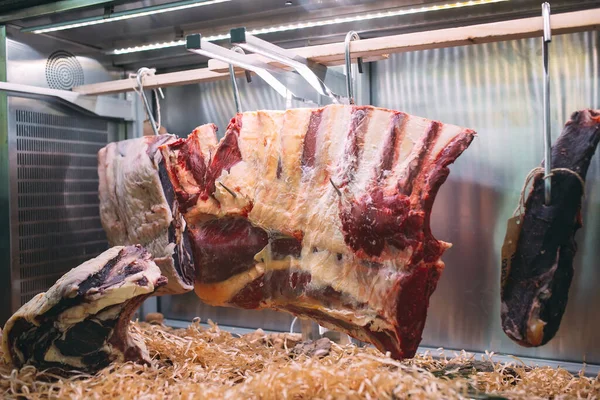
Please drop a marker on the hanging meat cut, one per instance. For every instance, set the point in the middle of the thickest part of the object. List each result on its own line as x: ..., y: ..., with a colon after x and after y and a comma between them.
x: 323, y: 213
x: 536, y: 288
x: 135, y: 210
x: 82, y: 322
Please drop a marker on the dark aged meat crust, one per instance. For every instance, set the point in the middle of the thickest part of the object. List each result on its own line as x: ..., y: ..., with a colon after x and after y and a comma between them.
x: 81, y: 323
x: 323, y: 213
x: 537, y: 287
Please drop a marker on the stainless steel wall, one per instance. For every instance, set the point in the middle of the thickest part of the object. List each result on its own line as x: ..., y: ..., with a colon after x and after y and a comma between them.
x: 48, y: 175
x: 495, y: 89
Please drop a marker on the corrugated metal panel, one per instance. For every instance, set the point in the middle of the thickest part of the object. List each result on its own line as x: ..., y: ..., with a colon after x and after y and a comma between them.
x: 496, y: 89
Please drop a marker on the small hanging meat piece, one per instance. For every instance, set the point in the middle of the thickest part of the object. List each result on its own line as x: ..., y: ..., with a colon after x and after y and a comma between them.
x: 82, y: 322
x: 134, y: 209
x: 536, y: 278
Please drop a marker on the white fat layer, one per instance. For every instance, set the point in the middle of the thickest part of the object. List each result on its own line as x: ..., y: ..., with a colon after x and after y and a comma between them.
x: 277, y: 200
x: 375, y: 140
x: 118, y: 293
x: 218, y: 294
x: 359, y: 282
x: 207, y: 135
x: 412, y: 134
x: 322, y: 225
x: 54, y: 355
x: 446, y: 134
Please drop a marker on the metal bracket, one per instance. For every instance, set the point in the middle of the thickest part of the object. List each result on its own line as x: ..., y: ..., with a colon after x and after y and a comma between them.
x: 310, y: 71
x: 101, y: 106
x: 109, y: 11
x: 236, y: 91
x: 196, y: 44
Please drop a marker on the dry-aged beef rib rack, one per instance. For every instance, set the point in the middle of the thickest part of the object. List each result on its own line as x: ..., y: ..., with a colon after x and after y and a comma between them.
x: 323, y: 213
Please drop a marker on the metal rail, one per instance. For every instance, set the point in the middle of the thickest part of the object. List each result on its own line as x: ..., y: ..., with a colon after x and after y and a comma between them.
x: 547, y: 38
x: 51, y: 8
x: 99, y: 105
x: 281, y: 81
x: 378, y: 48
x: 120, y: 15
x: 196, y: 44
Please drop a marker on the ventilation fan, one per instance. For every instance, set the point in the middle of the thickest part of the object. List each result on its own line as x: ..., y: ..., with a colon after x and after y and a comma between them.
x: 63, y: 71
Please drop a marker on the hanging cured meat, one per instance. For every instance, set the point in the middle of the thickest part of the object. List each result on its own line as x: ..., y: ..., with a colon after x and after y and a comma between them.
x: 134, y: 209
x: 535, y: 287
x: 323, y: 213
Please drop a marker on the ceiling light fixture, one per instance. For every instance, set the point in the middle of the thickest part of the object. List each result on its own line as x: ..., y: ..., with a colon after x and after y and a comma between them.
x: 311, y: 24
x: 122, y: 15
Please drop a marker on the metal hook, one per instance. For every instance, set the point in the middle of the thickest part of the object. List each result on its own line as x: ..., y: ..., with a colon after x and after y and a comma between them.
x: 139, y: 79
x: 547, y: 131
x: 236, y: 92
x: 352, y: 35
x: 231, y: 192
x: 335, y: 187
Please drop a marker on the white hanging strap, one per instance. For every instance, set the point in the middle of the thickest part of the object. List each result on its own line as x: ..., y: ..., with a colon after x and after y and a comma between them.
x: 139, y: 89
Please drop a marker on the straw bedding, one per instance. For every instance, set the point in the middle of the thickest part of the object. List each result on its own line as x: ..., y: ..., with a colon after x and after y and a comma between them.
x: 200, y: 363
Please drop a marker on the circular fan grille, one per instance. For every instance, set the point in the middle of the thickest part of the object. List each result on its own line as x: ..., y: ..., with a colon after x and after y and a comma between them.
x: 63, y: 71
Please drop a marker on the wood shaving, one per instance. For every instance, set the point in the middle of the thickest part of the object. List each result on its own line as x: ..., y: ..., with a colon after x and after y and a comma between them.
x: 199, y: 363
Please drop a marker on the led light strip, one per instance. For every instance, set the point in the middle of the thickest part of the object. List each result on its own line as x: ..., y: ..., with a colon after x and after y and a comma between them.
x: 120, y: 16
x: 311, y: 24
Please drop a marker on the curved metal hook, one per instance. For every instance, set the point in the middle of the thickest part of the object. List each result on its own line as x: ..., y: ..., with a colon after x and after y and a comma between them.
x: 236, y: 92
x: 352, y: 35
x: 139, y: 78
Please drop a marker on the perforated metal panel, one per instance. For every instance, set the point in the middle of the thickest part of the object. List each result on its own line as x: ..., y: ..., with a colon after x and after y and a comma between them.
x: 55, y: 223
x: 63, y: 70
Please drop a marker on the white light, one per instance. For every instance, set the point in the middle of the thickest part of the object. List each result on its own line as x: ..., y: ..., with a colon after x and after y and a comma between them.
x: 128, y: 16
x: 310, y: 24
